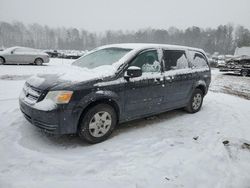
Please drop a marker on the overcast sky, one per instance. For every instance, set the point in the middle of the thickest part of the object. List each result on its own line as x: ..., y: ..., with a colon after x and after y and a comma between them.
x: 101, y: 15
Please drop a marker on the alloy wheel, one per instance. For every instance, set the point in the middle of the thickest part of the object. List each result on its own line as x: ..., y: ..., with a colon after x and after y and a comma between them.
x: 197, y: 99
x: 100, y: 124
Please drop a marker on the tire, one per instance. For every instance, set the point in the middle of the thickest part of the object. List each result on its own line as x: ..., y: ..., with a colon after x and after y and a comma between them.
x: 195, y: 102
x: 1, y: 61
x: 244, y: 73
x: 38, y: 61
x: 92, y: 127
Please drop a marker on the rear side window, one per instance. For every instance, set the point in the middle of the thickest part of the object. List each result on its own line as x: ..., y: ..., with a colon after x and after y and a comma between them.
x: 198, y: 60
x: 175, y: 59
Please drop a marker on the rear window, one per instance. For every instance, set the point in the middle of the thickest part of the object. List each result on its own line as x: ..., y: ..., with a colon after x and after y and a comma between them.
x: 175, y: 59
x: 198, y: 60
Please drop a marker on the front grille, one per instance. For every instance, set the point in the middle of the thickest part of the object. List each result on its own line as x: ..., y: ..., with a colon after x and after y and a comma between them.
x: 31, y: 93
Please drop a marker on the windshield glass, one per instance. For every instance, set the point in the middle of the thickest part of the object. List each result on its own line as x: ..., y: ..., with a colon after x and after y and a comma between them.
x: 106, y: 56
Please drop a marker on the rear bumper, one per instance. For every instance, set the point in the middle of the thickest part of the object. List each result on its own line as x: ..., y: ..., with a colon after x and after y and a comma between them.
x: 46, y: 60
x: 58, y: 121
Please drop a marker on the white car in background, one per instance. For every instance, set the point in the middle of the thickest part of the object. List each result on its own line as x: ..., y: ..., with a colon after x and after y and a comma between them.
x: 23, y: 55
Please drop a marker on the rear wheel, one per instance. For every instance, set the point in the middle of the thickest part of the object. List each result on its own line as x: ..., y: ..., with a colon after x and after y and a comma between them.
x: 1, y: 61
x: 38, y: 61
x: 195, y: 102
x: 244, y: 73
x: 98, y: 123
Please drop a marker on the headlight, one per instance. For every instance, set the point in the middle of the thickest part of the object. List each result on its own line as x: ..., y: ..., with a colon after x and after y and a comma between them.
x: 59, y: 97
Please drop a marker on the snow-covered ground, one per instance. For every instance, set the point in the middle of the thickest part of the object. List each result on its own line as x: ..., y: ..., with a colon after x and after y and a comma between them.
x: 230, y: 83
x: 174, y: 149
x: 22, y: 72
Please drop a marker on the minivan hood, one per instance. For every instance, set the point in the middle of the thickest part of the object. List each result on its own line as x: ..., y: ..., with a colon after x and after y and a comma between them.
x: 67, y: 76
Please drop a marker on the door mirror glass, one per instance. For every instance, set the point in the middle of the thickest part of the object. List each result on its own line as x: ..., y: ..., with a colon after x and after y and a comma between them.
x: 133, y: 72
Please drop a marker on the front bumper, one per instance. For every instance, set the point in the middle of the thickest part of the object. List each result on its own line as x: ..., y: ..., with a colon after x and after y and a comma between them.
x: 58, y: 121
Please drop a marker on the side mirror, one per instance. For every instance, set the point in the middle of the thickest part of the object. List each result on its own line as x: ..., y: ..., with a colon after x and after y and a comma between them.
x: 12, y: 52
x: 133, y: 72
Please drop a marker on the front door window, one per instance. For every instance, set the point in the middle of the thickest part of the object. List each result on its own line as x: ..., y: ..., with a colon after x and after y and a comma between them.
x: 148, y: 61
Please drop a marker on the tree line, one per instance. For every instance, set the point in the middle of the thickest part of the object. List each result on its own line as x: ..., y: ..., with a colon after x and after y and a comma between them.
x: 223, y: 39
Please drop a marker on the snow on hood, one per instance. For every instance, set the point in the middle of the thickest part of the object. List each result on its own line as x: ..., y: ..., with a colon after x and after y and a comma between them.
x: 72, y: 74
x: 35, y: 80
x: 77, y: 74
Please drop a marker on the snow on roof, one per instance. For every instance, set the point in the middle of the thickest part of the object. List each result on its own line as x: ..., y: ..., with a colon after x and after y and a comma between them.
x: 135, y: 48
x: 141, y: 46
x: 245, y: 50
x: 21, y: 47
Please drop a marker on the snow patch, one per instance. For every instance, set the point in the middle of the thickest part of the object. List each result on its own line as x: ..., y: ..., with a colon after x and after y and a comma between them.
x: 35, y: 80
x: 45, y: 105
x: 77, y: 74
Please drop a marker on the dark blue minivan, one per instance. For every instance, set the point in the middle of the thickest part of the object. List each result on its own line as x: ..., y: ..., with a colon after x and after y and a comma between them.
x: 114, y: 84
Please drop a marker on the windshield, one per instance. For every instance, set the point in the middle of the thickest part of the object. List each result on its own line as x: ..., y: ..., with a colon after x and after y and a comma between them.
x: 106, y: 56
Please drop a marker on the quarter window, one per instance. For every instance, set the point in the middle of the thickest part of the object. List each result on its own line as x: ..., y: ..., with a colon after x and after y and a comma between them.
x: 198, y: 60
x: 175, y: 59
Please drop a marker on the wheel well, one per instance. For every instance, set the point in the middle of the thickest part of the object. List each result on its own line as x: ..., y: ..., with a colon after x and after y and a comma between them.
x: 245, y: 70
x: 2, y: 58
x: 202, y: 88
x: 39, y: 58
x: 110, y: 102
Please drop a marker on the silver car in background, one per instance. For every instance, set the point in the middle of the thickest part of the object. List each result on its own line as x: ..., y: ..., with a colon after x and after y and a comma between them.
x: 23, y: 55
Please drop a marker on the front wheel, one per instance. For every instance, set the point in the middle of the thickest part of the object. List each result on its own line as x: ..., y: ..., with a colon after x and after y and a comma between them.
x: 38, y: 61
x: 195, y: 102
x: 1, y: 61
x: 98, y: 123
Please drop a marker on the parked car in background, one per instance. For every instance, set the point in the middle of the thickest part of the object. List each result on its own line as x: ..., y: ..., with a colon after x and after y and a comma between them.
x: 53, y: 53
x: 23, y: 55
x: 71, y: 56
x: 237, y: 65
x: 115, y: 84
x: 221, y: 61
x: 65, y: 54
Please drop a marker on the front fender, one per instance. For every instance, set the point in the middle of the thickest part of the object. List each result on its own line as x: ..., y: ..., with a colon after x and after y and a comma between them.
x: 95, y: 97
